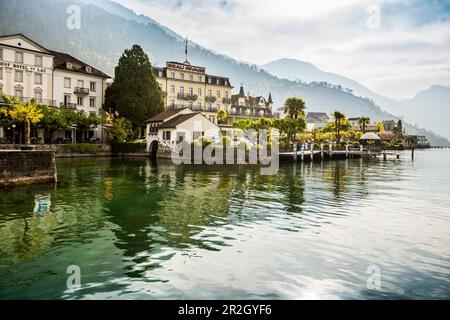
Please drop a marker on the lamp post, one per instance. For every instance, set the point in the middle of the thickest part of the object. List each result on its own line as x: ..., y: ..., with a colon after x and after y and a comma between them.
x: 14, y: 133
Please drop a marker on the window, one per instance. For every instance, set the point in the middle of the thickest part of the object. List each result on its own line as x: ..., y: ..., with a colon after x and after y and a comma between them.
x: 199, y: 92
x: 191, y: 92
x: 181, y: 91
x: 38, y: 95
x: 19, y: 57
x: 218, y: 106
x: 217, y: 81
x: 199, y: 105
x: 18, y: 76
x: 226, y: 94
x: 209, y: 106
x: 226, y: 82
x: 209, y: 80
x: 182, y: 76
x: 80, y: 101
x: 218, y: 94
x: 200, y: 78
x: 92, y: 102
x: 166, y: 135
x: 209, y: 93
x: 191, y: 105
x: 38, y: 61
x: 93, y: 86
x: 69, y: 65
x: 212, y: 119
x: 66, y: 99
x: 172, y: 103
x: 18, y: 92
x: 1, y: 73
x: 88, y: 69
x: 172, y: 75
x: 1, y: 54
x: 191, y: 77
x: 80, y: 83
x: 37, y: 78
x: 67, y: 83
x: 172, y: 89
x: 160, y: 74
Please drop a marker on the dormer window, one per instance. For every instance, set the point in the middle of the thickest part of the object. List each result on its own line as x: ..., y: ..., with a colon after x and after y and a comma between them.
x: 69, y: 65
x: 88, y: 69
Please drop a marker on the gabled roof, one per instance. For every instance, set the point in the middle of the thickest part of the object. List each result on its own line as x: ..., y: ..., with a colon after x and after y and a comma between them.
x: 20, y: 35
x: 173, y: 123
x: 160, y: 117
x: 61, y: 59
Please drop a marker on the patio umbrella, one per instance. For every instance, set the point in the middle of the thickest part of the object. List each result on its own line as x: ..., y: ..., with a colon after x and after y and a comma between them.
x: 370, y: 137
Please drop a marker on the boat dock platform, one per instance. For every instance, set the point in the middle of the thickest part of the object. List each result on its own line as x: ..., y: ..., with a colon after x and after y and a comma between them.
x: 308, y: 155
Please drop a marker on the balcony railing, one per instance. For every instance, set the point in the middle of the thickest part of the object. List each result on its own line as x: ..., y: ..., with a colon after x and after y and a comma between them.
x: 81, y: 91
x: 187, y: 97
x: 226, y: 100
x: 210, y: 99
x: 72, y: 106
x: 193, y: 108
x: 251, y: 112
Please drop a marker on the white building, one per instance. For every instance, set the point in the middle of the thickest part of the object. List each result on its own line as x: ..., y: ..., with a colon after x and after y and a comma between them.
x: 174, y: 126
x: 30, y: 71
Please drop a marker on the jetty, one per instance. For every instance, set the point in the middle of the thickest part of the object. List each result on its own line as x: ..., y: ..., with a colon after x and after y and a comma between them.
x: 318, y: 155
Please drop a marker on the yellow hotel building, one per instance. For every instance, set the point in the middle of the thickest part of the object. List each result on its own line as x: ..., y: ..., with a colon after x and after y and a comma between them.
x: 188, y: 86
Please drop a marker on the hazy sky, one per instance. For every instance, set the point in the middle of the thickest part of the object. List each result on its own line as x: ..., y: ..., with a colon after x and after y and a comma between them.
x: 394, y: 47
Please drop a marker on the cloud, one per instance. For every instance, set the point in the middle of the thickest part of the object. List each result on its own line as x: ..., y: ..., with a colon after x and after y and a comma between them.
x: 333, y: 35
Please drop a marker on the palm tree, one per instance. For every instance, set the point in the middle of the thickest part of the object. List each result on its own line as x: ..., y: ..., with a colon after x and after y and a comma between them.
x: 28, y: 113
x: 222, y: 115
x: 295, y: 108
x: 338, y: 117
x: 363, y: 122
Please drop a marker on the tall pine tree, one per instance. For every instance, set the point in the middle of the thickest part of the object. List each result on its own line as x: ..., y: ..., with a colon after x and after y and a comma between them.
x: 135, y: 94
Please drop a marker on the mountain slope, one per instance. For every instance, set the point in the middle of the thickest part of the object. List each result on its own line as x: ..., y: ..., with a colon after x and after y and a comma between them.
x: 107, y: 29
x: 429, y: 108
x: 425, y: 110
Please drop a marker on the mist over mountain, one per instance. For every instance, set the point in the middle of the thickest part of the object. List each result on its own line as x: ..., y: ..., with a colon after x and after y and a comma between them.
x: 108, y: 28
x: 428, y: 109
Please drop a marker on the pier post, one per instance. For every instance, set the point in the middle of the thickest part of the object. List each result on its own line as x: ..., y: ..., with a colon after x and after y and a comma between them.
x: 295, y: 151
x: 331, y: 149
x: 321, y: 150
x: 312, y: 152
x: 412, y: 153
x: 303, y: 152
x: 346, y: 151
x: 384, y: 155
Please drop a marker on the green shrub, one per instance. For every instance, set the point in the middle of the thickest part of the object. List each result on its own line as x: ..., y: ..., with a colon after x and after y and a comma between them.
x: 83, y: 148
x: 128, y: 147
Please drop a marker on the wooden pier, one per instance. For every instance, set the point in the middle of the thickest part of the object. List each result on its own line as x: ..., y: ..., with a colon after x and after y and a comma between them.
x: 318, y: 155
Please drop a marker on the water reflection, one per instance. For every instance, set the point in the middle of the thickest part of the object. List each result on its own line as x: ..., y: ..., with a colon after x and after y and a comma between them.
x: 129, y: 222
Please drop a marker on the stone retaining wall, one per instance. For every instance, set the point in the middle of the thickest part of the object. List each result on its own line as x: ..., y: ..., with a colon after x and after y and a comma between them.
x: 26, y: 167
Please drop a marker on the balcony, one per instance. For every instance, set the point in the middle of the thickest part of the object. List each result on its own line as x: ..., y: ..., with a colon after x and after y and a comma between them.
x: 81, y: 91
x: 226, y: 100
x: 187, y: 97
x: 210, y: 99
x: 250, y: 112
x: 71, y: 106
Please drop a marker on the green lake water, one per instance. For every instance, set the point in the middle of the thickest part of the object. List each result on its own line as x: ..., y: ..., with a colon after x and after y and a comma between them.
x: 313, y: 231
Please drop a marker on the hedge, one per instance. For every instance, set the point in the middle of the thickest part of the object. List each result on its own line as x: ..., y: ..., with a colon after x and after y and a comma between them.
x: 128, y: 147
x: 82, y: 148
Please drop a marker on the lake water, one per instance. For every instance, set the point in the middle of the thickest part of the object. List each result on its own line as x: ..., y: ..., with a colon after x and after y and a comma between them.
x: 314, y: 231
